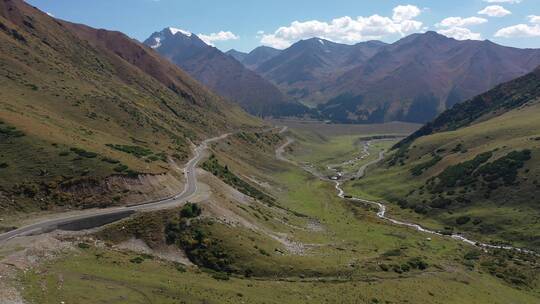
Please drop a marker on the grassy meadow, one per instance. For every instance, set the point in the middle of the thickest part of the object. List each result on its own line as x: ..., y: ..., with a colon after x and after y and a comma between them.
x: 334, y: 250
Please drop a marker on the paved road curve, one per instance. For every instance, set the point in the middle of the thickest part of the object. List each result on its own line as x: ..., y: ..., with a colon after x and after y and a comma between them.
x: 103, y: 216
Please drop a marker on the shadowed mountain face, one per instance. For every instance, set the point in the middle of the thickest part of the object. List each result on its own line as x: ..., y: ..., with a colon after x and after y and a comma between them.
x: 503, y: 98
x: 222, y: 73
x: 412, y: 79
x: 258, y: 56
x: 80, y: 106
x: 239, y: 56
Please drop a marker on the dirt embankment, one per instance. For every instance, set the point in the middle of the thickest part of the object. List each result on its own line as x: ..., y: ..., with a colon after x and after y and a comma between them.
x: 117, y: 190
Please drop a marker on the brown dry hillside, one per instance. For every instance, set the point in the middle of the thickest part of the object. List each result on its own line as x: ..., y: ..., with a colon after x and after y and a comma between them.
x: 80, y: 106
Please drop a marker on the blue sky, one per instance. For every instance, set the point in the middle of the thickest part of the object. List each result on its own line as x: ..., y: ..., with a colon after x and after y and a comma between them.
x: 246, y: 24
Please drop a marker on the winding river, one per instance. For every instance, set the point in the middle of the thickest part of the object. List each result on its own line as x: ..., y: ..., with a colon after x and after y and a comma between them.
x: 382, y: 208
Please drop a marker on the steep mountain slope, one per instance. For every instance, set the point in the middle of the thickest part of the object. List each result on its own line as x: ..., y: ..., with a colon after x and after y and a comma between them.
x: 304, y: 69
x: 475, y: 168
x: 421, y: 75
x: 222, y: 73
x: 84, y: 113
x: 303, y: 60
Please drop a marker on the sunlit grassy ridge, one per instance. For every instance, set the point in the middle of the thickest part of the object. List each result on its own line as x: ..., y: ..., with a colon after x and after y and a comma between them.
x: 98, y: 276
x: 478, y: 173
x: 88, y: 109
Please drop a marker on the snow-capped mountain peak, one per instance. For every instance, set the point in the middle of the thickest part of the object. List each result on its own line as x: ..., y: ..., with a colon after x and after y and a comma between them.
x: 175, y: 31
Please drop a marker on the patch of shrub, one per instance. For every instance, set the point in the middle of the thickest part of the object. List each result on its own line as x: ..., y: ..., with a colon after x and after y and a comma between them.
x: 120, y: 168
x: 403, y: 204
x: 440, y: 203
x: 472, y: 255
x: 392, y: 252
x: 83, y: 153
x: 110, y: 160
x: 397, y: 269
x: 221, y: 276
x: 3, y: 165
x: 400, y: 155
x: 419, y: 169
x: 263, y: 252
x: 458, y: 148
x: 417, y: 263
x: 421, y: 209
x: 200, y: 248
x: 460, y: 174
x: 136, y: 151
x: 10, y: 132
x: 504, y: 168
x: 179, y: 267
x: 462, y: 220
x: 83, y: 245
x: 405, y: 267
x: 137, y: 260
x: 17, y: 35
x: 213, y: 166
x: 190, y: 210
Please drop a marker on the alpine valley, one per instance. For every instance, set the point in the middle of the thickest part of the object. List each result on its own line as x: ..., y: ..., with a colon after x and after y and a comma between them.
x: 164, y: 170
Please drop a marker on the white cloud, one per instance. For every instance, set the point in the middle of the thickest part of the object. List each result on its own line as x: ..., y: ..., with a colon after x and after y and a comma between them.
x: 175, y: 31
x: 220, y: 36
x: 495, y: 11
x: 460, y: 22
x: 346, y: 29
x: 405, y: 12
x: 519, y: 30
x: 457, y: 27
x: 460, y: 33
x: 503, y: 1
x: 534, y: 19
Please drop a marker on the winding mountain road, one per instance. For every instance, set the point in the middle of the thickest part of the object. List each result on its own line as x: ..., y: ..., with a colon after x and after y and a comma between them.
x: 96, y: 218
x: 382, y: 208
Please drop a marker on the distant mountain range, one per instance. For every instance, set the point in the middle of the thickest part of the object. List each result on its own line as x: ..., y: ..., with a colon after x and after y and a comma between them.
x: 253, y: 59
x: 413, y: 79
x: 222, y: 73
x: 421, y: 75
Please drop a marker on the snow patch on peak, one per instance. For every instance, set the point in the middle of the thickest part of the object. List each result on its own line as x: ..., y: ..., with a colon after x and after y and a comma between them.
x: 321, y: 41
x: 157, y: 43
x: 174, y: 31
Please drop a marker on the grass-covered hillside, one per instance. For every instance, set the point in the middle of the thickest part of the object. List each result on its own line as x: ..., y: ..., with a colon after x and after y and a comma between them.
x: 81, y: 107
x: 306, y: 245
x: 476, y: 168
